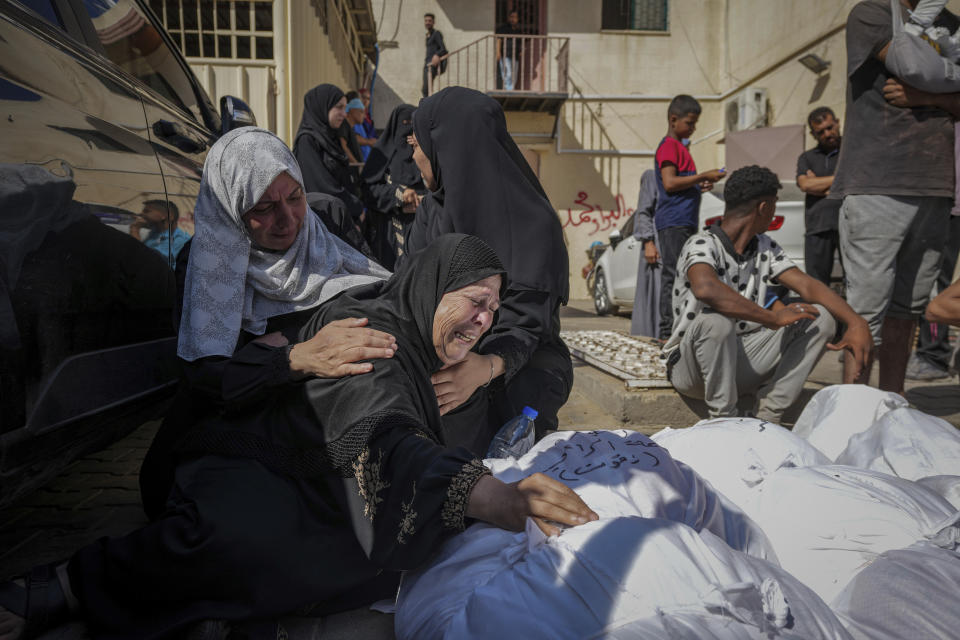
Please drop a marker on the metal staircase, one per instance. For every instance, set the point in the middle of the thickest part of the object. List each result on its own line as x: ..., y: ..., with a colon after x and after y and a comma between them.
x: 540, y: 85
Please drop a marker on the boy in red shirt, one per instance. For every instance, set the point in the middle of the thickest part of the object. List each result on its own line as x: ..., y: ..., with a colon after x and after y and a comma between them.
x: 678, y: 203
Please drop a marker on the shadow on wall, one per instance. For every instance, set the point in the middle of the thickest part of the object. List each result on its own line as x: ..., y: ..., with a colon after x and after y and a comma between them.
x: 587, y: 193
x: 384, y: 101
x: 466, y: 15
x: 576, y: 17
x: 819, y: 88
x: 580, y: 129
x: 339, y: 44
x: 589, y: 197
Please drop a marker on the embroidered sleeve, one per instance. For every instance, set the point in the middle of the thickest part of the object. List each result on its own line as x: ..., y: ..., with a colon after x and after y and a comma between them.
x: 410, y: 494
x: 515, y: 353
x: 408, y: 518
x: 458, y: 494
x: 420, y: 433
x: 370, y: 481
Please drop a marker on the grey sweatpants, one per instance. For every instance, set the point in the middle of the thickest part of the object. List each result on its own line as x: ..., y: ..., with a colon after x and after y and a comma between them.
x: 716, y: 365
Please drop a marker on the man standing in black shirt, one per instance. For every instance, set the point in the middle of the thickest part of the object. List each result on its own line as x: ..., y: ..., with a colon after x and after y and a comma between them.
x: 435, y: 49
x: 508, y: 50
x: 815, y: 170
x: 895, y: 174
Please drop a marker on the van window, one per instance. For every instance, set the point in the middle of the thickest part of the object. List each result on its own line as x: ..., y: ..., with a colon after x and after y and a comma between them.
x: 45, y: 9
x: 133, y: 43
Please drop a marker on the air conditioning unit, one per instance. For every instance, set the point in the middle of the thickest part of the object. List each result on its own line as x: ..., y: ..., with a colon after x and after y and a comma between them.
x: 747, y: 110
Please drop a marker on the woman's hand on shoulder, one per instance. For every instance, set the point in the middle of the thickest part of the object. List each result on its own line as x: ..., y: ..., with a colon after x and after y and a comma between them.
x: 538, y: 496
x: 337, y: 349
x: 455, y: 383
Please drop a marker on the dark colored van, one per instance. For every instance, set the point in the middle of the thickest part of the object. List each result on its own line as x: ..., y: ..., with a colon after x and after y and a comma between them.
x: 103, y: 134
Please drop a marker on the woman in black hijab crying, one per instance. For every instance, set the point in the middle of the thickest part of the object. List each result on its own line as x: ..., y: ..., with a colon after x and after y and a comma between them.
x: 325, y: 166
x: 315, y: 495
x: 481, y: 184
x: 395, y: 186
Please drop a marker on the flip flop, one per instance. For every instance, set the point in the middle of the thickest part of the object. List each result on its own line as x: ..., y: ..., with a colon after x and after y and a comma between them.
x: 40, y: 602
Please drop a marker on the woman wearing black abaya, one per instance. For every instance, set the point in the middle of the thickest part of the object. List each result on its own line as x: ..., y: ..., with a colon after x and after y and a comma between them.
x: 241, y: 281
x: 395, y: 186
x: 311, y: 494
x: 325, y: 166
x: 480, y: 184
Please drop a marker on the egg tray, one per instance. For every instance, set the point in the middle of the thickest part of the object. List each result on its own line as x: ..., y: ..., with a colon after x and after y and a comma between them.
x: 633, y: 359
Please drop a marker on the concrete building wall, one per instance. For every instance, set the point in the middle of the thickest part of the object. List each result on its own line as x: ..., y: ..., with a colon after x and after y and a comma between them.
x: 310, y: 46
x: 400, y: 72
x: 713, y: 49
x: 315, y: 55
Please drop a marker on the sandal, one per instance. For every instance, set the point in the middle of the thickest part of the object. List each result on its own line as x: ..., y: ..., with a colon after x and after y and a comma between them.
x: 40, y: 602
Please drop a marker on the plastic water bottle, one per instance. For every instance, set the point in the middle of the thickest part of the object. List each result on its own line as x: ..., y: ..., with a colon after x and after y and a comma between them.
x: 514, y: 438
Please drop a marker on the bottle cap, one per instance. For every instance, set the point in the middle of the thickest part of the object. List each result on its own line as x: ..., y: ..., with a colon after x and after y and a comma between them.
x: 530, y: 412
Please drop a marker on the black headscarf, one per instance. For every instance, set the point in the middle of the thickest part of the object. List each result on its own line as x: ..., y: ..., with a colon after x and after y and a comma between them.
x: 392, y: 154
x: 321, y: 426
x: 486, y: 188
x: 314, y: 124
x: 350, y: 409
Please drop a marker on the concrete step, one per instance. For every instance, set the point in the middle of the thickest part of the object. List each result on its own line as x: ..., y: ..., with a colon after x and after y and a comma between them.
x: 649, y: 410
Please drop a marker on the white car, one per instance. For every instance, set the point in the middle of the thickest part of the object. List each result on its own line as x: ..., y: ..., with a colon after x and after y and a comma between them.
x: 615, y: 276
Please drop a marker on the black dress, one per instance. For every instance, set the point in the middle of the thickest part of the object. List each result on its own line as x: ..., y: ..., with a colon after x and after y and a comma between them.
x: 486, y: 188
x: 389, y: 171
x: 317, y: 148
x: 304, y: 494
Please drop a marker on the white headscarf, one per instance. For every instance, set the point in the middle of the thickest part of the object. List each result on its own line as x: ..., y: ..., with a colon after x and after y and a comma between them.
x: 233, y: 285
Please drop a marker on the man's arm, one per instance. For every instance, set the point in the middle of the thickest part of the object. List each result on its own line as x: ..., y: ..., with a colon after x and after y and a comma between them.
x: 441, y: 49
x: 644, y: 229
x: 900, y: 94
x: 643, y: 225
x: 856, y: 338
x: 814, y: 185
x: 903, y: 95
x: 714, y: 293
x: 946, y: 306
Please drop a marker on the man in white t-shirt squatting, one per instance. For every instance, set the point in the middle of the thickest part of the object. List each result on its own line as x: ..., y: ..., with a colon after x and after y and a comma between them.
x: 731, y: 334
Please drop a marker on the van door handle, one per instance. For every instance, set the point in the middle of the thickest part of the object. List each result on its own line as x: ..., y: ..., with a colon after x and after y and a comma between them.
x: 177, y: 135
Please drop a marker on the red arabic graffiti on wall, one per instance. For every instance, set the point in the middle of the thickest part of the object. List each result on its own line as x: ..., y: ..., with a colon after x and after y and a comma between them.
x: 596, y: 218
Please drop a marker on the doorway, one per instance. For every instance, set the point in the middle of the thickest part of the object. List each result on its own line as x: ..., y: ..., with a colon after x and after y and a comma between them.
x: 532, y: 16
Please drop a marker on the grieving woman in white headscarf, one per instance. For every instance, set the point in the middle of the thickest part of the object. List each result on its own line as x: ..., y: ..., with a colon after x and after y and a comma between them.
x: 260, y: 259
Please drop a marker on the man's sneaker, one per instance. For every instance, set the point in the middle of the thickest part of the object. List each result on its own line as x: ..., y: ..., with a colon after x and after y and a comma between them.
x: 920, y: 369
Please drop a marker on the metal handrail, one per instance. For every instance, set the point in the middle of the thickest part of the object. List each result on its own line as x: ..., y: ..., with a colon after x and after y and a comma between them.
x: 539, y: 66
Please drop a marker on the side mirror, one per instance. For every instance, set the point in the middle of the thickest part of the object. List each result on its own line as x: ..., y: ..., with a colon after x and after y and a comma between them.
x: 234, y: 113
x: 615, y: 237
